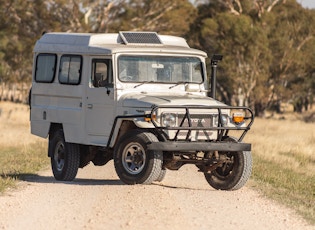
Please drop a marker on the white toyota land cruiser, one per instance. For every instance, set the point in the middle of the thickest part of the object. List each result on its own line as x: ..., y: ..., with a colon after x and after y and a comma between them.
x: 140, y: 99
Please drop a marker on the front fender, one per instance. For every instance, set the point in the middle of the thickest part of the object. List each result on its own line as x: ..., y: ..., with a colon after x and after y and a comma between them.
x: 137, y: 120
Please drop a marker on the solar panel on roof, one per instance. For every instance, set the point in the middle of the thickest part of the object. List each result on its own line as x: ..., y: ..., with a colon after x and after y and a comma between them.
x: 140, y: 37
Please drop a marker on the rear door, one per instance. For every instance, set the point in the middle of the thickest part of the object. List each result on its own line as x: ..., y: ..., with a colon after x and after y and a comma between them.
x: 100, y: 108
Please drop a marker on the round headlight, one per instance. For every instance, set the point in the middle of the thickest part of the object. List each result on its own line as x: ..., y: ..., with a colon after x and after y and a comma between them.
x: 224, y: 120
x: 168, y: 119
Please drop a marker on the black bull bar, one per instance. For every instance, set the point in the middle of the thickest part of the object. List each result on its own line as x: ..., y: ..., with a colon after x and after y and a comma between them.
x: 186, y: 124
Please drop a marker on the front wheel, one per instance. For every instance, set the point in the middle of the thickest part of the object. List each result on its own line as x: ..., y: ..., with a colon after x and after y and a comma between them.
x: 161, y: 175
x: 65, y: 157
x: 233, y: 174
x: 134, y: 163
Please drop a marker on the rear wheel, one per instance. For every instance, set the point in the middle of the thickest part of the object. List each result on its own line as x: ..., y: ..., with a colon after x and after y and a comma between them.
x: 233, y: 174
x: 134, y: 163
x: 65, y: 157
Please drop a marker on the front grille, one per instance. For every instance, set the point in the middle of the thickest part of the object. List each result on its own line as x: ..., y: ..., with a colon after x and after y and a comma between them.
x: 197, y: 120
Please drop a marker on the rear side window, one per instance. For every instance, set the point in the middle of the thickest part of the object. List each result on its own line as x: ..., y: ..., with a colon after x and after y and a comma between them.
x: 70, y: 69
x: 45, y: 68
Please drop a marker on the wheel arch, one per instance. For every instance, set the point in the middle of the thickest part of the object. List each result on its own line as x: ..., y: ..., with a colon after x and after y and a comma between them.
x: 122, y: 127
x: 52, y: 129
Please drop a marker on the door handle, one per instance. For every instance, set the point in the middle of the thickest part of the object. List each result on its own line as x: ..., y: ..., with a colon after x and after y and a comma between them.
x: 90, y: 106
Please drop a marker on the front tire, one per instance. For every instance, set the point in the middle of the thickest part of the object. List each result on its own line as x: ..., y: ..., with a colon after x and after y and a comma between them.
x: 231, y: 175
x: 161, y: 175
x: 134, y: 163
x: 65, y: 157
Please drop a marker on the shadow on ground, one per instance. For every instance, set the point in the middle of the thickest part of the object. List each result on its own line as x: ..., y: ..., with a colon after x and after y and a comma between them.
x: 35, y: 178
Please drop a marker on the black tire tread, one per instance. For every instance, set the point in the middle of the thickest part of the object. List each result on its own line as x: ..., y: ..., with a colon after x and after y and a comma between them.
x: 157, y: 165
x: 72, y: 158
x: 247, y: 171
x: 73, y: 161
x: 161, y: 176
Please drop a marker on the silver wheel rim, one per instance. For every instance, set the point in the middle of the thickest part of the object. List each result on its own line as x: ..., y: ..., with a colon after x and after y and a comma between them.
x: 59, y: 156
x: 133, y: 158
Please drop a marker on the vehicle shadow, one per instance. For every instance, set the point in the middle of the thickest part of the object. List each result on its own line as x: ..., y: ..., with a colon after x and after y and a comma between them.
x: 181, y: 187
x: 35, y: 178
x: 41, y: 179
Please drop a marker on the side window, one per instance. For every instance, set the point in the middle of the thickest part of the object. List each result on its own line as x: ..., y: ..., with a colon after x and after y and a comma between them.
x: 70, y: 69
x: 102, y: 74
x: 45, y: 68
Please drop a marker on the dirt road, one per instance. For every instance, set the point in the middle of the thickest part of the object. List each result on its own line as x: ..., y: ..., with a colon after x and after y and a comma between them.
x: 98, y: 200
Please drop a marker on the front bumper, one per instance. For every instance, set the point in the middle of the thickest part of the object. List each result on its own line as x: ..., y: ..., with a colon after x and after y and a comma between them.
x: 173, y: 146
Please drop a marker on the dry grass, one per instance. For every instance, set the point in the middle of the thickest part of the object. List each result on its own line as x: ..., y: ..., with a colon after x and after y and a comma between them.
x: 15, y: 125
x: 284, y: 162
x: 290, y: 143
x: 20, y: 152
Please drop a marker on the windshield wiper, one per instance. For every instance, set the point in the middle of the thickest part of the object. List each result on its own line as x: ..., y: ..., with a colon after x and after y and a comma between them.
x: 179, y: 83
x: 142, y: 83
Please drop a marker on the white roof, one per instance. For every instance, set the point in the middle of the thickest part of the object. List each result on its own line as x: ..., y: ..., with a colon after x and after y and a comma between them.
x: 109, y: 43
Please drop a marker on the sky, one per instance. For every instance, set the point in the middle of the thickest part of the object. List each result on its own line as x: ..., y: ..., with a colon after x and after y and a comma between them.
x: 308, y: 3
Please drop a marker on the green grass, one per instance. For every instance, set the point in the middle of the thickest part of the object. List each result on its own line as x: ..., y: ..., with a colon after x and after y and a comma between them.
x: 295, y: 190
x: 18, y: 161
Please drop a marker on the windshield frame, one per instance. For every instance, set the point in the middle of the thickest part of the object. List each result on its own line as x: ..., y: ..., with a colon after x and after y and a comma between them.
x: 198, y: 61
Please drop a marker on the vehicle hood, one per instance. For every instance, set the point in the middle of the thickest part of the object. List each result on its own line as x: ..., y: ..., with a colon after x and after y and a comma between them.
x: 148, y: 100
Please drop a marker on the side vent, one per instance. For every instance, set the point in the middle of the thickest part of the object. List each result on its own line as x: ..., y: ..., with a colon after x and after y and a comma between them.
x: 140, y: 38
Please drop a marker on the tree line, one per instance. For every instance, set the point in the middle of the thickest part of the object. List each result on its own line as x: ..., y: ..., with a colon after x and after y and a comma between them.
x: 268, y: 45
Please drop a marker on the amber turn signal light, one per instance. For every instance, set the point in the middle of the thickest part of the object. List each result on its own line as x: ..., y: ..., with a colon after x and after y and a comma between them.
x: 148, y: 119
x: 238, y: 118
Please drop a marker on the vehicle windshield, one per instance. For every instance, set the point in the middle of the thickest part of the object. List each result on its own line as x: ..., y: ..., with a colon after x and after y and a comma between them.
x: 160, y: 69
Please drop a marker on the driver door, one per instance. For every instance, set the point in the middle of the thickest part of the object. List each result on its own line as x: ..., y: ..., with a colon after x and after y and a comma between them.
x: 100, y: 108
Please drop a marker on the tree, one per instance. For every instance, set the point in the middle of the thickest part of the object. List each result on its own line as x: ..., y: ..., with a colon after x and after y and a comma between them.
x: 244, y: 45
x: 23, y: 22
x: 254, y: 36
x: 163, y: 16
x: 291, y: 39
